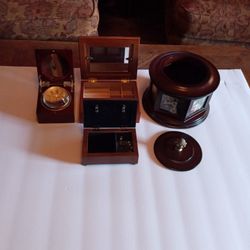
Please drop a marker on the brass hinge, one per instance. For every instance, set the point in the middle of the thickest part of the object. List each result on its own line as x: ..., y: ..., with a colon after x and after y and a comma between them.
x: 69, y: 83
x: 125, y: 80
x: 92, y: 80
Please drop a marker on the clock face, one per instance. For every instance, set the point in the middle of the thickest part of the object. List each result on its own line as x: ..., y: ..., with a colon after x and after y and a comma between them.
x: 169, y: 103
x: 197, y: 105
x: 56, y: 98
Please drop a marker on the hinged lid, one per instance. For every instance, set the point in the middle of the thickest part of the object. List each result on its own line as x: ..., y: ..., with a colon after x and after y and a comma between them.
x: 54, y: 67
x: 109, y: 57
x: 177, y: 151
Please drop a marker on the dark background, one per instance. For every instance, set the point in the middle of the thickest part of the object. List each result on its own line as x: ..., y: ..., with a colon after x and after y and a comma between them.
x: 142, y: 18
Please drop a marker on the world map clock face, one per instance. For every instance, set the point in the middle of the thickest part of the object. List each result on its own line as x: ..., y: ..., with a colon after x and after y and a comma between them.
x: 169, y: 103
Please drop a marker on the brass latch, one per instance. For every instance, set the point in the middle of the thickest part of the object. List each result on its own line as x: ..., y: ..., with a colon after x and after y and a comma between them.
x: 92, y: 80
x: 124, y: 80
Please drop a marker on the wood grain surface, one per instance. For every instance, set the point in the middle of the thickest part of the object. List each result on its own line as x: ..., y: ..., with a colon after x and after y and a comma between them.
x: 21, y: 53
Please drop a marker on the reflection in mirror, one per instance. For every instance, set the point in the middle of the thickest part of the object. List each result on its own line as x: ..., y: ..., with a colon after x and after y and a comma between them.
x: 54, y: 66
x: 109, y: 59
x: 109, y: 54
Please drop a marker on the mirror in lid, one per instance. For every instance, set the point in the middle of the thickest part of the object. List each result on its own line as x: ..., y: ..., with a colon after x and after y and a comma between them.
x: 55, y: 102
x: 109, y: 106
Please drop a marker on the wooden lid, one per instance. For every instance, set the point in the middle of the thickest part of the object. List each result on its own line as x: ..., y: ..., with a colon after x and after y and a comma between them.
x: 184, y: 74
x: 177, y: 151
x: 109, y: 57
x: 55, y: 65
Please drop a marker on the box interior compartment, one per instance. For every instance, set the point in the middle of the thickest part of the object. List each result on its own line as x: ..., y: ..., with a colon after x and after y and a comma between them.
x: 108, y: 89
x: 110, y: 142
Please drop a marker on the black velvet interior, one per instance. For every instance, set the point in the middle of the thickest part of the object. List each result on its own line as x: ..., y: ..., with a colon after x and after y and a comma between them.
x: 109, y: 113
x: 101, y: 142
x: 109, y: 142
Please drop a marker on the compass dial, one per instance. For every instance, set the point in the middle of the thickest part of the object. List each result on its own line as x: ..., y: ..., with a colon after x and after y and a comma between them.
x: 56, y: 98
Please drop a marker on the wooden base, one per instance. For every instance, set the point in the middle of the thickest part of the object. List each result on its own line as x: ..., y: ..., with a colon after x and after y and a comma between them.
x: 168, y: 120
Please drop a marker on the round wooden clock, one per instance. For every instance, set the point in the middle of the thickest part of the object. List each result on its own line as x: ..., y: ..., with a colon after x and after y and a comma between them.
x: 182, y: 84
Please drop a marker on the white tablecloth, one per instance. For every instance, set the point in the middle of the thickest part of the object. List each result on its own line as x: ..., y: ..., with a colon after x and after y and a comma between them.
x: 49, y: 201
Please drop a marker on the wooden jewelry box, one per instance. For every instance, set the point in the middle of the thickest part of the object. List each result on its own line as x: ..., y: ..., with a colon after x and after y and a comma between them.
x: 109, y: 103
x: 55, y: 102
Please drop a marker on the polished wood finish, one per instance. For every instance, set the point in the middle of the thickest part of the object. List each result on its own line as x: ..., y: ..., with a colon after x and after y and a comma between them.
x: 173, y: 154
x: 109, y: 99
x: 88, y: 44
x: 120, y: 153
x: 21, y: 53
x: 196, y: 75
x: 54, y: 68
x: 109, y: 90
x: 183, y: 78
x: 222, y: 56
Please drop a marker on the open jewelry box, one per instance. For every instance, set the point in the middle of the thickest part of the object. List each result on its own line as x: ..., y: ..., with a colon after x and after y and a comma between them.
x: 55, y: 102
x: 109, y: 103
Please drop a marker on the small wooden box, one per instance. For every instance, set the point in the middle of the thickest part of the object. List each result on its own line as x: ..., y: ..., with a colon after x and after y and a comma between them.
x: 55, y: 102
x: 109, y: 103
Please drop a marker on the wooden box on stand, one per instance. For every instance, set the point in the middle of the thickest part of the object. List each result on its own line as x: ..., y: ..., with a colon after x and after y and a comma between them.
x: 55, y: 102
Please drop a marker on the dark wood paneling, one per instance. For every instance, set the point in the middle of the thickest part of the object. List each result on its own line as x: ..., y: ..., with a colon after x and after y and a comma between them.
x: 21, y: 53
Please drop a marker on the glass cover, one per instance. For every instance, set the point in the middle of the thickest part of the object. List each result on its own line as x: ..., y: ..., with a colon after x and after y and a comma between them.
x: 56, y: 98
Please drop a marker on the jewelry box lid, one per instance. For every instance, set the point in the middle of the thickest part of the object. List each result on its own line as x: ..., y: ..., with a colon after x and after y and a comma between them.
x: 54, y: 66
x: 109, y: 57
x: 177, y: 151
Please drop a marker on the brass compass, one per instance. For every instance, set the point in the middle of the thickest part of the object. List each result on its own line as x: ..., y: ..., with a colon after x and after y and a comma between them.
x: 56, y: 98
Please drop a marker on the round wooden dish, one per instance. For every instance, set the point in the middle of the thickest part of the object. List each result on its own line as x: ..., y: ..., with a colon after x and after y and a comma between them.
x: 177, y: 151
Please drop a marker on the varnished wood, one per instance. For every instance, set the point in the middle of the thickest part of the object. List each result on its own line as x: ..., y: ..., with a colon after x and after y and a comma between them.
x: 168, y: 152
x: 185, y: 78
x: 130, y: 70
x: 222, y: 56
x: 21, y: 53
x: 113, y: 157
x: 107, y: 102
x: 45, y: 68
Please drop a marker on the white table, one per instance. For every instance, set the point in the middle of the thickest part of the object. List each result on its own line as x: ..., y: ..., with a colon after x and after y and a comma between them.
x: 48, y: 201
